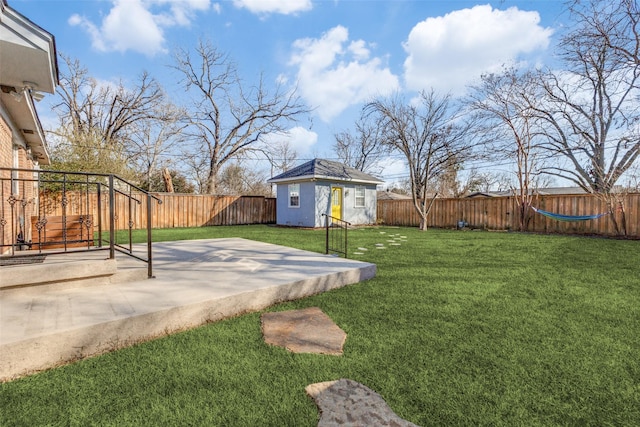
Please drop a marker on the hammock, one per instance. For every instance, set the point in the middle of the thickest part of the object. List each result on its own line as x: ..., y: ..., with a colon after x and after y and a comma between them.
x: 560, y: 217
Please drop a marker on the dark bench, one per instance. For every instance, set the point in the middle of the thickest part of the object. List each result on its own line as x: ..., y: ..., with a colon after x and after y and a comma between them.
x: 51, y: 234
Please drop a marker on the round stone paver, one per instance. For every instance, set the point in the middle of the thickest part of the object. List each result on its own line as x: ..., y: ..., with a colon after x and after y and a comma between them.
x: 307, y: 330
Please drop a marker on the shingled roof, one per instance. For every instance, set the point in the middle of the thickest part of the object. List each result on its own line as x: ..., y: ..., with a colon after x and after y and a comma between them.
x: 325, y: 169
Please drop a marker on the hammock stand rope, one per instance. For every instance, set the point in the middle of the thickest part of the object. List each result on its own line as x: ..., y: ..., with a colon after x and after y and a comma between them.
x: 560, y: 217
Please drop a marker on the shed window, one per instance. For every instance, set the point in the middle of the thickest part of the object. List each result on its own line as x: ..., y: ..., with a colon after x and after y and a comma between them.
x: 294, y: 195
x: 360, y: 192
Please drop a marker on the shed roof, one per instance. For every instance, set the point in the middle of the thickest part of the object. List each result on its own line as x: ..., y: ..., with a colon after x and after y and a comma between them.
x: 325, y: 169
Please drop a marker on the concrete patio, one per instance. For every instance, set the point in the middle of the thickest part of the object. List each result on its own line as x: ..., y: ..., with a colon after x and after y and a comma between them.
x: 196, y: 282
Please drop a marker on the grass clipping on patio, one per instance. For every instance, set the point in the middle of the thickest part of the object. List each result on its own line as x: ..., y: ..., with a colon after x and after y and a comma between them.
x: 458, y: 328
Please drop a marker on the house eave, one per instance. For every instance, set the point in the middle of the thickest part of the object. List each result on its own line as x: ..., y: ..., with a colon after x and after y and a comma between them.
x: 24, y: 120
x: 27, y: 53
x: 28, y: 66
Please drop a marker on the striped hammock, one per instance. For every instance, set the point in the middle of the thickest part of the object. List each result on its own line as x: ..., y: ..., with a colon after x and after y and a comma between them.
x: 560, y: 217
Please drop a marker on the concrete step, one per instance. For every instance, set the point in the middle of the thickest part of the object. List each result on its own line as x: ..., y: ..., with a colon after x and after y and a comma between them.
x: 66, y: 272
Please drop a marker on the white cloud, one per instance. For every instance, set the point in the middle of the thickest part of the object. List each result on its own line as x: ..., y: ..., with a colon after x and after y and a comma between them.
x: 93, y: 31
x: 359, y: 50
x: 300, y: 139
x: 182, y: 11
x: 284, y: 7
x: 450, y: 51
x: 331, y: 78
x: 132, y: 25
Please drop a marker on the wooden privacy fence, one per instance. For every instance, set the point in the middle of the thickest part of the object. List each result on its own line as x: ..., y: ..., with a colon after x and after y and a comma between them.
x: 501, y: 213
x: 176, y: 210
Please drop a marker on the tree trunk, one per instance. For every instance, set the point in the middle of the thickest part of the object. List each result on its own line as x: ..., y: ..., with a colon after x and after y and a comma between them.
x: 168, y: 181
x: 212, y: 180
x: 616, y: 206
x: 424, y: 213
x: 423, y: 223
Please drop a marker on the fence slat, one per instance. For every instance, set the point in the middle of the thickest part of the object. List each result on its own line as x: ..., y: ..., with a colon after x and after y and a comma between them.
x: 501, y: 213
x: 177, y: 210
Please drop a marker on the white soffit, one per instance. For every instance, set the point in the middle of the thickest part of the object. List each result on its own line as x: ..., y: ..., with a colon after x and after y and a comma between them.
x: 27, y: 53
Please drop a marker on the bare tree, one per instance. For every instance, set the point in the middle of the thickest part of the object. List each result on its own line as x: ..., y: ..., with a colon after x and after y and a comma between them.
x: 101, y: 117
x: 237, y: 179
x: 195, y: 168
x: 505, y: 106
x: 278, y: 152
x: 170, y: 181
x: 363, y: 149
x: 633, y: 180
x: 226, y: 117
x: 456, y: 183
x: 591, y: 108
x: 430, y: 134
x: 154, y: 142
x: 108, y: 110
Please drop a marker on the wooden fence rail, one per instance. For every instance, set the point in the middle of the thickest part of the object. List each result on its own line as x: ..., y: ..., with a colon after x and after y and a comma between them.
x: 493, y: 213
x: 176, y: 210
x: 500, y: 213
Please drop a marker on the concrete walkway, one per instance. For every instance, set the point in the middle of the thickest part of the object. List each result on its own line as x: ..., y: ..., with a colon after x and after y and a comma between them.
x: 197, y: 282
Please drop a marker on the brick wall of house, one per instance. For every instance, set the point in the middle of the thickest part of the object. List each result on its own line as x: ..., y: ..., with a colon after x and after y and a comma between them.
x: 5, y: 144
x: 15, y: 218
x: 6, y: 160
x: 28, y: 194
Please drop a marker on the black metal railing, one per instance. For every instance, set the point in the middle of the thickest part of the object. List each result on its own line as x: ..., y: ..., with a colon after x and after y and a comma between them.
x: 335, y: 235
x: 57, y: 212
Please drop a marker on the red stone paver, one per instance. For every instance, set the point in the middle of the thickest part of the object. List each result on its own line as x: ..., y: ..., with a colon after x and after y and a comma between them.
x: 308, y: 330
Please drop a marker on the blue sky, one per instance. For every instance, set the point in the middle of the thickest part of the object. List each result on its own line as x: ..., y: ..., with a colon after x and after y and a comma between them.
x: 339, y: 53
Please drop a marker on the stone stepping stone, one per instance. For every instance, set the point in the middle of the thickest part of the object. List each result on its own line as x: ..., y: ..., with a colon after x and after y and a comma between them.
x: 348, y: 403
x: 308, y: 330
x: 358, y: 253
x: 363, y: 249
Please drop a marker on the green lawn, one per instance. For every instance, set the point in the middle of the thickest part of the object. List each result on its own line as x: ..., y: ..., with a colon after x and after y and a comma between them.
x: 458, y: 328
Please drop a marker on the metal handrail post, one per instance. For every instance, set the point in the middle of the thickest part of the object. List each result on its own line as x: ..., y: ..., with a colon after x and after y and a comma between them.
x: 64, y: 210
x: 12, y: 202
x: 112, y: 220
x: 326, y: 227
x: 345, y: 240
x: 149, y: 251
x: 130, y: 222
x: 99, y: 213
